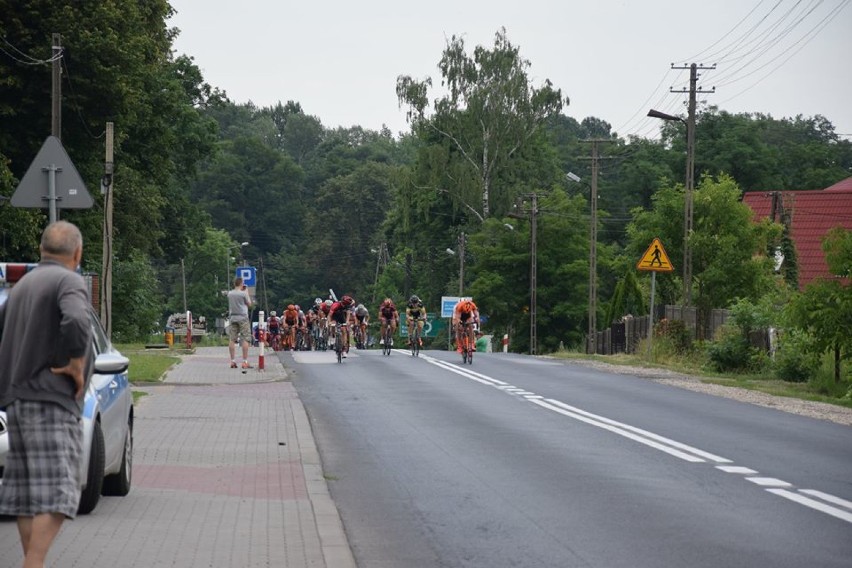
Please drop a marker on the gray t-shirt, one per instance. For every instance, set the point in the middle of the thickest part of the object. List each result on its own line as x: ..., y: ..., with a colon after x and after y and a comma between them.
x: 238, y: 305
x: 44, y: 322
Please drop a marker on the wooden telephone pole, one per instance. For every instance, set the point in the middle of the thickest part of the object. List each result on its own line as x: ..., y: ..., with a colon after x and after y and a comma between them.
x: 592, y: 342
x: 532, y: 212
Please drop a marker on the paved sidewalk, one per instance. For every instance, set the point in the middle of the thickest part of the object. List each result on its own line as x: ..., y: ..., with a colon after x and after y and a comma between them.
x: 226, y: 474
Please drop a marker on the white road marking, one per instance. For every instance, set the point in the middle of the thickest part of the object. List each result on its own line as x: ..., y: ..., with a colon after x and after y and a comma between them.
x: 813, y: 504
x: 669, y: 446
x: 619, y: 431
x: 769, y: 482
x: 736, y: 469
x: 828, y: 497
x: 651, y: 435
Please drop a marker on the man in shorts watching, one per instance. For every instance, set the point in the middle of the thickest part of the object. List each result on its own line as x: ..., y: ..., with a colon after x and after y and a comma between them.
x: 239, y: 329
x: 45, y: 365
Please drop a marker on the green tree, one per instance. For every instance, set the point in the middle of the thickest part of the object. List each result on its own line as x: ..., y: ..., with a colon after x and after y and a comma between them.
x: 137, y: 297
x: 501, y: 277
x: 487, y: 116
x: 728, y: 250
x: 824, y: 309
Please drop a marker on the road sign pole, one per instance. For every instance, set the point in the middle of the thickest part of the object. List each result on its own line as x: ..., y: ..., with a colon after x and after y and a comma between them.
x: 651, y: 314
x: 51, y: 191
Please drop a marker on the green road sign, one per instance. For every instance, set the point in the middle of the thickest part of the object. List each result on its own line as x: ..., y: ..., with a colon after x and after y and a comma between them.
x: 430, y: 329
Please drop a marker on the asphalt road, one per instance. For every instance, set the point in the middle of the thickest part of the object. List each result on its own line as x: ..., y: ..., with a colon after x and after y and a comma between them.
x: 531, y: 462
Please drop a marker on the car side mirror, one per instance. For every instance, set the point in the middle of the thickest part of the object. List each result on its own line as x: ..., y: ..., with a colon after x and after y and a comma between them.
x: 111, y: 364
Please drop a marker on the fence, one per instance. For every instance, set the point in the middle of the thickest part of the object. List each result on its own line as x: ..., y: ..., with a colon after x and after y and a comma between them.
x: 624, y: 336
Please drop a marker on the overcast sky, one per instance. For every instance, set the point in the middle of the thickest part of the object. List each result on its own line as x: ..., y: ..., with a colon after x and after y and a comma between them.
x: 340, y: 58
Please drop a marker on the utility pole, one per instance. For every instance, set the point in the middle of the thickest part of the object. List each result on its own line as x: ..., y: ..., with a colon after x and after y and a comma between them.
x: 533, y: 212
x: 690, y: 174
x: 591, y: 346
x: 107, y: 190
x: 56, y: 91
x: 533, y: 273
x: 407, y: 275
x: 183, y: 280
x: 381, y: 263
x: 462, y: 240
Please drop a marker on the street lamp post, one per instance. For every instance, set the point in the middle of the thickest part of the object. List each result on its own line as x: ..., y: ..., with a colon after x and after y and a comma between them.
x: 230, y: 277
x: 690, y: 186
x: 591, y: 346
x: 451, y: 252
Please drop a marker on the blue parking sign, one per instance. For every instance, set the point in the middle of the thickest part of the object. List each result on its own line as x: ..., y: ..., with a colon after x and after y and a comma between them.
x: 248, y: 274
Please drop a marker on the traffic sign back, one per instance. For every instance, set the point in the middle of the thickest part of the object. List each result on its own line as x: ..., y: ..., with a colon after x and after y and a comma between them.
x: 71, y: 192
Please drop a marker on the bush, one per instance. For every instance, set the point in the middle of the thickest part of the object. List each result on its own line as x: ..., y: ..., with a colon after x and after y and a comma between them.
x: 794, y: 360
x: 732, y: 352
x: 675, y: 331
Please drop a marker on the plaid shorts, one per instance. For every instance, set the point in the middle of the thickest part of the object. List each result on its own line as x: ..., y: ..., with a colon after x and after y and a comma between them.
x: 239, y: 328
x: 42, y: 472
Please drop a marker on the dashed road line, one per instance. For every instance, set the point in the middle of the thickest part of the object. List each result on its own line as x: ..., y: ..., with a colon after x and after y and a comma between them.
x: 812, y: 498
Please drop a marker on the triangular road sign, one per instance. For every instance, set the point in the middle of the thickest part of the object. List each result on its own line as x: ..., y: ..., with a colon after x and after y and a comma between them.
x: 33, y: 191
x: 655, y: 258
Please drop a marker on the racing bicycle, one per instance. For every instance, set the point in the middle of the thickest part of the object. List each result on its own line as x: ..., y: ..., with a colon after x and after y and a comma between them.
x: 387, y: 340
x: 415, y: 340
x: 467, y: 343
x: 339, y: 347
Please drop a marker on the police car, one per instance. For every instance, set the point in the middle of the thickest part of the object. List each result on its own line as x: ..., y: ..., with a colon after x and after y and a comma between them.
x: 107, y: 413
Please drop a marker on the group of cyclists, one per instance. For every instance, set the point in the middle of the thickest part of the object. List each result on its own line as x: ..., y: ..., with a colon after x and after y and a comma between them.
x: 296, y: 329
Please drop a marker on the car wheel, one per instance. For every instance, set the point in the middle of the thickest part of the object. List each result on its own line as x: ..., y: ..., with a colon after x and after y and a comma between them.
x: 95, y: 477
x: 118, y: 484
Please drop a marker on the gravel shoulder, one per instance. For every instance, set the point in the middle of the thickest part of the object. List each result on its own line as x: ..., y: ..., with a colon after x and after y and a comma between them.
x: 820, y: 410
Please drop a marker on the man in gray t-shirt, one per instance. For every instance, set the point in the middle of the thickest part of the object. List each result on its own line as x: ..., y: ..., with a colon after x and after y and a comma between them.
x: 239, y: 327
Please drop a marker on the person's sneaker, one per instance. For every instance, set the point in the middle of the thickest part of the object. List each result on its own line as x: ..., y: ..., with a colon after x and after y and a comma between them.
x: 233, y: 364
x: 381, y: 341
x: 247, y: 365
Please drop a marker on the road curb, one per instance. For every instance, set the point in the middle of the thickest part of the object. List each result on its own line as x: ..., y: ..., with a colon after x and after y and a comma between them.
x: 335, y: 545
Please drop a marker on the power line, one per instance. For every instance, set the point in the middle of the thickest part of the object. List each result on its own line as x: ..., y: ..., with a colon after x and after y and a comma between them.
x: 29, y: 59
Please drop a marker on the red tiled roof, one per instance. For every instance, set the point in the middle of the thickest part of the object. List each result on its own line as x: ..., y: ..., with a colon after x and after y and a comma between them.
x: 814, y: 213
x: 842, y: 185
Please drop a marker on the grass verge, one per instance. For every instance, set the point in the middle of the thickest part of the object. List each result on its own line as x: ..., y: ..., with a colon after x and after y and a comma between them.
x: 817, y: 389
x: 147, y: 366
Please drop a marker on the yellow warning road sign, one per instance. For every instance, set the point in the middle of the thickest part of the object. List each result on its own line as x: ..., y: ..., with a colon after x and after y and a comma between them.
x: 655, y: 258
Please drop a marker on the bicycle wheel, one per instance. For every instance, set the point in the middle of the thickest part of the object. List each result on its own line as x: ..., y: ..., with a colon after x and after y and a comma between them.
x: 415, y: 345
x: 386, y: 346
x: 338, y: 346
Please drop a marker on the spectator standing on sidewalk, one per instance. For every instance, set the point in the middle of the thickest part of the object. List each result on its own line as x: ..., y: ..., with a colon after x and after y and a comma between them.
x: 239, y: 328
x: 45, y: 365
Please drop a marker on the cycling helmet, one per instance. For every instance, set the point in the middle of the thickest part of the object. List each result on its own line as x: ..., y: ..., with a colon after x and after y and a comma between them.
x: 272, y: 313
x: 298, y: 308
x: 291, y: 307
x: 414, y: 300
x: 347, y: 301
x: 318, y: 301
x: 360, y: 307
x: 328, y: 302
